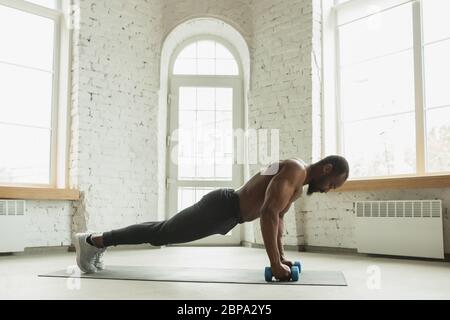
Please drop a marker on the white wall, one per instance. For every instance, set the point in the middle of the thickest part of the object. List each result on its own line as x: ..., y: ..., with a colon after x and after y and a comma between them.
x: 281, y: 88
x: 329, y: 219
x: 114, y: 112
x: 48, y: 223
x: 236, y: 12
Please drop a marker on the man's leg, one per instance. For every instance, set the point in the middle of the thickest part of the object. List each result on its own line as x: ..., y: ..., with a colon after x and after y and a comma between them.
x: 214, y: 213
x: 190, y: 224
x: 187, y: 225
x: 207, y: 217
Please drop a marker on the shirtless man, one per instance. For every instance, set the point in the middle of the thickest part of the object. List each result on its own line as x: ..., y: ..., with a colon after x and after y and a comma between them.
x: 267, y: 195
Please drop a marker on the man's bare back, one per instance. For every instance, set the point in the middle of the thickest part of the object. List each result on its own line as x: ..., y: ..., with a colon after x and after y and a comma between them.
x: 252, y: 193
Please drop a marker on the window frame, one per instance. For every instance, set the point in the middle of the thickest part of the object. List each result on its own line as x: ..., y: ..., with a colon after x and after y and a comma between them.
x: 175, y: 81
x: 205, y: 37
x: 60, y: 120
x: 332, y: 108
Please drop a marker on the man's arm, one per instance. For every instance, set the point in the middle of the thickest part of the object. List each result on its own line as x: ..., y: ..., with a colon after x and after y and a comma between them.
x: 280, y: 236
x: 278, y: 195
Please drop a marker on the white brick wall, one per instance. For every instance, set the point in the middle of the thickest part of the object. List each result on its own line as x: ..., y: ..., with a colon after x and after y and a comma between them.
x: 236, y: 12
x: 48, y: 223
x: 329, y: 219
x: 115, y: 97
x: 281, y: 88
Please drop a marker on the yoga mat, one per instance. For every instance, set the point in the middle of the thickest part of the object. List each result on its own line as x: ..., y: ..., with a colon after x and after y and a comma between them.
x: 203, y: 275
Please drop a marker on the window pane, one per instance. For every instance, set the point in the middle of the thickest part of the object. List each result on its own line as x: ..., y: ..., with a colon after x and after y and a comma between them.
x: 205, y: 135
x: 26, y: 39
x: 52, y: 4
x: 224, y: 168
x: 205, y: 144
x: 437, y: 74
x: 25, y: 155
x: 377, y: 35
x: 186, y: 144
x: 367, y: 91
x: 205, y: 58
x: 224, y: 99
x: 185, y: 66
x: 186, y: 168
x: 187, y: 196
x: 226, y: 67
x: 223, y: 151
x: 190, y: 52
x: 206, y: 98
x: 378, y: 93
x: 188, y: 98
x: 206, y: 50
x: 438, y: 140
x: 223, y: 53
x: 26, y: 96
x: 381, y: 147
x: 436, y: 22
x: 223, y: 120
x: 206, y: 66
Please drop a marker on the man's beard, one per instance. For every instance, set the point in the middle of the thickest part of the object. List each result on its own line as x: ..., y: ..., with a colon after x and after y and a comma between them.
x: 312, y: 188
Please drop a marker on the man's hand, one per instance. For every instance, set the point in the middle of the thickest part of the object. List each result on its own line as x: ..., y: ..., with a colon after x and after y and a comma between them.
x: 281, y: 272
x: 286, y: 262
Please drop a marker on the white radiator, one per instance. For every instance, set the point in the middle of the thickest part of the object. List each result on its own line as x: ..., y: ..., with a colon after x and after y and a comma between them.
x: 403, y: 228
x: 12, y: 226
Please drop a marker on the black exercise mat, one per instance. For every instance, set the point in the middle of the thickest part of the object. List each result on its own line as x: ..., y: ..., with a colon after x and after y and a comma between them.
x: 204, y: 275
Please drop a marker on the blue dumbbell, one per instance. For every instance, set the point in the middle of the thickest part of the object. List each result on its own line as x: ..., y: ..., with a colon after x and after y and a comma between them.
x: 295, y: 272
x: 298, y: 264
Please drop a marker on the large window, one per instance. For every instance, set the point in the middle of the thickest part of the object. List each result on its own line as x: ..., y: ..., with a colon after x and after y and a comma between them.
x: 205, y: 109
x: 393, y: 99
x: 29, y: 91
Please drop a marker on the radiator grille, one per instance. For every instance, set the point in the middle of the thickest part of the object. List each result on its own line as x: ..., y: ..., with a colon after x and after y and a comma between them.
x: 399, y: 209
x: 2, y: 208
x: 12, y: 207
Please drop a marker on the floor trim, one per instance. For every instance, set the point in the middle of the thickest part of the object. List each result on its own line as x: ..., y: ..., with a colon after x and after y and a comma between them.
x: 335, y: 250
x: 246, y: 244
x: 303, y: 248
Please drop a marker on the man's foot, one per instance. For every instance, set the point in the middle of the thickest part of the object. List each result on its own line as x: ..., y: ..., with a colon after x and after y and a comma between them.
x: 86, y: 253
x: 98, y: 261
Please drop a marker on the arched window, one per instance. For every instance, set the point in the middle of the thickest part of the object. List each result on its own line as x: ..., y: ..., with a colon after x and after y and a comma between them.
x: 205, y: 109
x: 205, y: 57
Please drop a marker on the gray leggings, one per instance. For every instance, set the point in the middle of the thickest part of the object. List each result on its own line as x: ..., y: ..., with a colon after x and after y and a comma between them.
x: 216, y: 213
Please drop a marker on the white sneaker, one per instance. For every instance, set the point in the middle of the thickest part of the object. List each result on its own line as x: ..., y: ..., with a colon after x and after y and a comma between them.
x: 98, y: 260
x: 86, y: 253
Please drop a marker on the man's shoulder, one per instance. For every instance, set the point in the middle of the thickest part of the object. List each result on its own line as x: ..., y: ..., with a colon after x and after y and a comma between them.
x: 295, y: 169
x: 295, y: 164
x: 290, y: 166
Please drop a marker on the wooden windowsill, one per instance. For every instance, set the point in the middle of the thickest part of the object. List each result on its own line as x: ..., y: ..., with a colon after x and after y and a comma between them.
x: 35, y: 193
x: 441, y: 181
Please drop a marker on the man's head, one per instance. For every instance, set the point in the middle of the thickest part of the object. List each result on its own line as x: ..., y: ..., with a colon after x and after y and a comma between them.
x: 329, y: 173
